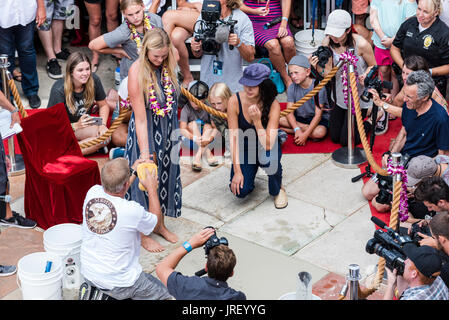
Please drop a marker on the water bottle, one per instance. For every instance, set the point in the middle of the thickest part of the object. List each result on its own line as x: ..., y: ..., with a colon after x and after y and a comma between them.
x: 117, y: 78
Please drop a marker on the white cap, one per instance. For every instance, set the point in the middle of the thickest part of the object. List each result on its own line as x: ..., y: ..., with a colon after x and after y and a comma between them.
x: 337, y: 23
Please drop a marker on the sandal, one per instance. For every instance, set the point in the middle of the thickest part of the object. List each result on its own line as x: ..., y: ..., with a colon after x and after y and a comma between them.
x: 17, y: 75
x: 213, y: 162
x: 196, y: 167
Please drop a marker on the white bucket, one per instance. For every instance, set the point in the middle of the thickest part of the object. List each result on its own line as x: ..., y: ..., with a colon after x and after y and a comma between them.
x: 292, y: 296
x: 303, y: 41
x: 65, y: 241
x: 35, y: 283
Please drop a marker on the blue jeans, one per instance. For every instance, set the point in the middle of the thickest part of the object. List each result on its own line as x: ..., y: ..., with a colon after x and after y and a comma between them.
x: 270, y: 161
x: 21, y: 38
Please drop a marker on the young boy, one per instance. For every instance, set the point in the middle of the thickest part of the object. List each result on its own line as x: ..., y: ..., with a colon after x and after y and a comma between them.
x: 195, y: 125
x: 308, y: 121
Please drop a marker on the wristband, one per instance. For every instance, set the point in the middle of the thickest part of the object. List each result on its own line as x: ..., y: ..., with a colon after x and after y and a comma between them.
x: 285, y: 18
x: 133, y: 172
x: 296, y: 129
x: 384, y: 37
x: 15, y: 110
x: 187, y: 246
x: 430, y: 70
x: 240, y: 43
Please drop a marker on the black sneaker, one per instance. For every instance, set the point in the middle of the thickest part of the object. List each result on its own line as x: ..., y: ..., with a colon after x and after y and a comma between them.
x: 7, y: 270
x: 382, y: 125
x: 34, y: 100
x: 18, y: 221
x: 63, y: 54
x: 54, y: 69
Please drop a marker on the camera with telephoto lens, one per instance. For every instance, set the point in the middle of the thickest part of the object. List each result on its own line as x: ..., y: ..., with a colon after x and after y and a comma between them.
x: 373, y: 82
x: 211, y: 30
x: 388, y: 245
x: 323, y: 54
x: 385, y: 184
x: 414, y: 232
x: 211, y: 243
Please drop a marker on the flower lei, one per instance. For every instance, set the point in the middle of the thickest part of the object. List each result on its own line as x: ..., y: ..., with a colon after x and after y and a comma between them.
x: 168, y: 91
x: 403, y: 200
x: 125, y: 103
x: 135, y: 35
x: 352, y: 59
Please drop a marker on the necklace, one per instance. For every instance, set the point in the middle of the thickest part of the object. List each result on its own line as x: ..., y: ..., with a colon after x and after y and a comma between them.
x: 135, y: 35
x: 168, y: 91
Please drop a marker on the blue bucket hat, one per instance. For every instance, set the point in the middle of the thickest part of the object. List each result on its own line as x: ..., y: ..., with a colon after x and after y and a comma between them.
x: 254, y: 74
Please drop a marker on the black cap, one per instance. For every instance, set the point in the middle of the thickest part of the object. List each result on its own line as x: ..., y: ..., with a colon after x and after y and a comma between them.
x: 198, y: 89
x: 426, y: 259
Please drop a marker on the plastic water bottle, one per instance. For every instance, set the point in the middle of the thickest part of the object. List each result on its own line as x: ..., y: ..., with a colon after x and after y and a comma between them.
x: 117, y: 78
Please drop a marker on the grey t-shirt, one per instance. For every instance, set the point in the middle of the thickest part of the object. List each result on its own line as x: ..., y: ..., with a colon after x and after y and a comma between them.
x: 122, y: 36
x: 232, y: 61
x: 188, y: 114
x: 57, y: 96
x: 295, y: 92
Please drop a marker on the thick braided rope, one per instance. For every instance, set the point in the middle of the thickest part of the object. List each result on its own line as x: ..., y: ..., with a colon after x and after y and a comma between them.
x: 17, y: 99
x: 200, y: 104
x: 123, y: 113
x: 362, y: 133
x: 310, y: 94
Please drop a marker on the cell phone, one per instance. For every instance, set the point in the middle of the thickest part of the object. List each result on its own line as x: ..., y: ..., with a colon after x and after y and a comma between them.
x: 97, y: 121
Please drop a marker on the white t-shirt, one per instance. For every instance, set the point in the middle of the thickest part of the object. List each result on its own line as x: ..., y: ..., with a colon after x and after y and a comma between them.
x: 12, y: 13
x: 148, y: 3
x: 111, y: 239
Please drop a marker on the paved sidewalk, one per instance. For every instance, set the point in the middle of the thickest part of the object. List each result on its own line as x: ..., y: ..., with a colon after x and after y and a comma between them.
x: 323, y: 230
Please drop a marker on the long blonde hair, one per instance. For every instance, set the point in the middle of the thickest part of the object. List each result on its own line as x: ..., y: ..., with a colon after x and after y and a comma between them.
x: 89, y: 88
x: 156, y: 39
x: 222, y: 91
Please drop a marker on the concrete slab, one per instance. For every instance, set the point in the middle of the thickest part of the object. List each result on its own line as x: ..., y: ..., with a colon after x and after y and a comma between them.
x: 211, y: 194
x: 330, y: 187
x: 343, y: 245
x: 285, y: 230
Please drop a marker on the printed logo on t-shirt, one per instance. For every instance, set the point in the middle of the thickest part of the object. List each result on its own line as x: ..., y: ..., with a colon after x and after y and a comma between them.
x: 428, y: 40
x: 100, y: 215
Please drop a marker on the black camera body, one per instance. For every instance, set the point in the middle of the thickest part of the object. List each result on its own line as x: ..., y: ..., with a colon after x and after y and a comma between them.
x: 323, y: 54
x: 373, y: 82
x: 414, y: 232
x: 206, y: 29
x: 388, y: 245
x: 212, y: 242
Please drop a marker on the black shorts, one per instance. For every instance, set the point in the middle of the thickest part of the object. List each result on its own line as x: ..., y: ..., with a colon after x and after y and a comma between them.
x: 323, y: 122
x: 93, y: 1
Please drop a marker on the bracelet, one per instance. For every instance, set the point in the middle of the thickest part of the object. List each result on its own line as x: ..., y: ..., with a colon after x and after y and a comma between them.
x: 430, y: 70
x: 15, y: 110
x: 296, y: 129
x: 133, y: 172
x: 384, y: 37
x: 285, y: 18
x: 240, y: 43
x: 187, y: 246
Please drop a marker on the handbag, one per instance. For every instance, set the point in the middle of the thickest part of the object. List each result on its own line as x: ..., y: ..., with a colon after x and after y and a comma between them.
x: 274, y: 75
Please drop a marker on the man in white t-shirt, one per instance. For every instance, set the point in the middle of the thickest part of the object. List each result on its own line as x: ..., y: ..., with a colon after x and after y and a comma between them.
x: 111, y: 235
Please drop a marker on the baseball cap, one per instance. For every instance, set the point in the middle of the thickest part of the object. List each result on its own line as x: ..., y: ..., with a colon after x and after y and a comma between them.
x: 198, y: 89
x: 337, y: 22
x: 426, y: 259
x: 254, y: 74
x: 420, y: 167
x: 300, y: 60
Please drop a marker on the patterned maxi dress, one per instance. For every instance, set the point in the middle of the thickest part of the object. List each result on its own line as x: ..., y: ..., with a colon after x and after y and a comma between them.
x: 159, y: 135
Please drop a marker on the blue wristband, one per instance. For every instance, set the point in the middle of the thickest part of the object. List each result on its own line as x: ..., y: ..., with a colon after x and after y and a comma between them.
x: 187, y: 246
x: 285, y: 18
x: 296, y: 129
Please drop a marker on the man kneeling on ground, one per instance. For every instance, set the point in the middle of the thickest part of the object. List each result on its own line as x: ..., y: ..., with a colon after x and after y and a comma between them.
x: 111, y: 235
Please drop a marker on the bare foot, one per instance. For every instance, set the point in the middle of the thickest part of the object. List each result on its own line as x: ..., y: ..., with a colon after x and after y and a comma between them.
x: 169, y: 236
x: 151, y: 245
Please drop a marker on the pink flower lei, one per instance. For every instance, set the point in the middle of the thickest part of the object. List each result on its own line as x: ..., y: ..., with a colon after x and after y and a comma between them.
x: 352, y: 59
x: 403, y: 200
x: 168, y: 91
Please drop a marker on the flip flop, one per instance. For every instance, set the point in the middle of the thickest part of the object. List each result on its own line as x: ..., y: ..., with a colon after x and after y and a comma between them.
x: 196, y: 167
x: 212, y: 162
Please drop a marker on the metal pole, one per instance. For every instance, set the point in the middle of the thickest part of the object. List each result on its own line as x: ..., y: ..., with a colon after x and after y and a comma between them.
x: 17, y: 164
x: 396, y: 160
x: 349, y: 106
x: 353, y: 278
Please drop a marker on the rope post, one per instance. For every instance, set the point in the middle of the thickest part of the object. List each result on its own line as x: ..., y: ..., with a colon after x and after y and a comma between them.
x: 17, y: 163
x: 397, y: 182
x: 349, y: 156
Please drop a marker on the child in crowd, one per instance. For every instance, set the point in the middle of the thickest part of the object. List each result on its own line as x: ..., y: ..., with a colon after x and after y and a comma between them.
x: 309, y: 120
x: 195, y: 125
x: 219, y: 95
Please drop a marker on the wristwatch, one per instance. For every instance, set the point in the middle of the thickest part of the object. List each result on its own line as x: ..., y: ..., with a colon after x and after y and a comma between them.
x: 133, y: 172
x: 385, y: 106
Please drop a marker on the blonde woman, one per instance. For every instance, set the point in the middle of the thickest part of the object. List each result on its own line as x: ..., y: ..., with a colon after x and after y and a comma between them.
x: 80, y: 90
x: 153, y: 93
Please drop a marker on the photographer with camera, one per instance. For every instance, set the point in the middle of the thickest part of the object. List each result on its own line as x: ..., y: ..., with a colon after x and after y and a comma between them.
x: 220, y: 265
x: 425, y: 124
x: 223, y: 37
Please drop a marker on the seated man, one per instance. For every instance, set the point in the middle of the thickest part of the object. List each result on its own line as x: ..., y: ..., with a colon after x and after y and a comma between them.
x: 309, y: 120
x: 111, y: 235
x: 227, y: 65
x: 420, y: 280
x: 425, y: 126
x: 219, y: 267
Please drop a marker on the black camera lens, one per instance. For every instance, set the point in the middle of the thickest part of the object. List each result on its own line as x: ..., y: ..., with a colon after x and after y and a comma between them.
x: 366, y: 95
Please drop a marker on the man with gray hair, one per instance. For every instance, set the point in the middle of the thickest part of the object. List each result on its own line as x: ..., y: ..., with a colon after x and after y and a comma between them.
x: 425, y: 127
x: 111, y: 235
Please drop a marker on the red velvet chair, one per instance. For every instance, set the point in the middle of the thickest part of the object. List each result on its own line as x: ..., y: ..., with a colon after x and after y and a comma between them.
x: 57, y: 175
